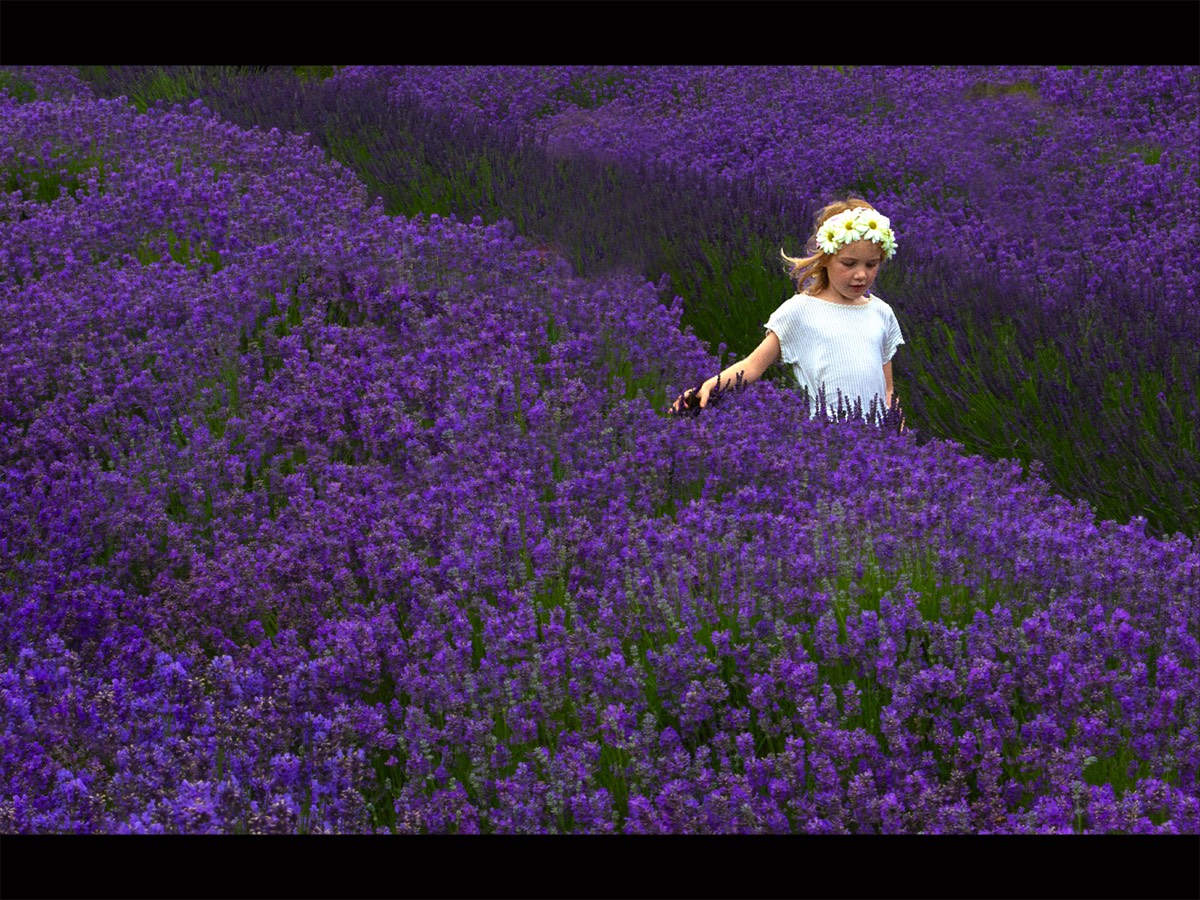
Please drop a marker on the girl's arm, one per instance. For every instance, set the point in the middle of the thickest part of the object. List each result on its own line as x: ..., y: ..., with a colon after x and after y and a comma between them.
x: 751, y: 369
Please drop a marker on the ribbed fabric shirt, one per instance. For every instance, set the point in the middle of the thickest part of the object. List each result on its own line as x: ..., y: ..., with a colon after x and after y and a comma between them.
x: 842, y: 347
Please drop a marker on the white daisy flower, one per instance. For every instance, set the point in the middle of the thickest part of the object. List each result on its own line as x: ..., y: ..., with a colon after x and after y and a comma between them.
x: 840, y: 224
x: 828, y: 238
x: 848, y: 231
x: 874, y: 226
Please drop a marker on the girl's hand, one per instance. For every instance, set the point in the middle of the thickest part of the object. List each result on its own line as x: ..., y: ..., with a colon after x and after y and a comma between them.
x: 896, y: 408
x: 691, y: 399
x: 686, y: 400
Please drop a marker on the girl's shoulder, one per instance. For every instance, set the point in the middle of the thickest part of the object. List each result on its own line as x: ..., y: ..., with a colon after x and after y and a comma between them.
x: 803, y: 299
x: 883, y: 305
x: 792, y: 303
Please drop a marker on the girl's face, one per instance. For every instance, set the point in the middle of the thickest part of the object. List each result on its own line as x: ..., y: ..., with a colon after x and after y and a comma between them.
x: 852, y: 270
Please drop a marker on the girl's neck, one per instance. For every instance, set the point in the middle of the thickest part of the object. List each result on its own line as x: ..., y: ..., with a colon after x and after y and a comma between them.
x: 837, y: 301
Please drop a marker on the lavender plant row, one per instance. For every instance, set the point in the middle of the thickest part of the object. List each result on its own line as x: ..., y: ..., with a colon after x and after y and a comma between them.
x: 1025, y: 173
x: 315, y: 519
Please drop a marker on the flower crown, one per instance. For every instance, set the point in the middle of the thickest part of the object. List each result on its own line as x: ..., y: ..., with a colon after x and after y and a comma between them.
x: 861, y: 224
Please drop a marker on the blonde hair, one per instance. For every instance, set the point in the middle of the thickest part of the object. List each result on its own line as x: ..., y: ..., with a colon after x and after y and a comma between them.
x: 809, y: 271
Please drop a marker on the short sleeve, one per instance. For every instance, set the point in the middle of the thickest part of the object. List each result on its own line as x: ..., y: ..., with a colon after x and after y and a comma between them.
x: 783, y: 323
x: 893, y: 338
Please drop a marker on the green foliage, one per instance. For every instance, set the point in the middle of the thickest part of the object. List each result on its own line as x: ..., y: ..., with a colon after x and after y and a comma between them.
x: 18, y: 88
x: 146, y: 85
x: 735, y: 292
x: 1003, y: 398
x: 1150, y: 153
x: 983, y: 89
x: 166, y: 244
x: 588, y: 91
x: 49, y: 184
x: 620, y: 380
x: 314, y: 73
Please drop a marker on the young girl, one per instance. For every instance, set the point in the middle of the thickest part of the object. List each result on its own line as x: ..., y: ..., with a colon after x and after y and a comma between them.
x: 836, y: 335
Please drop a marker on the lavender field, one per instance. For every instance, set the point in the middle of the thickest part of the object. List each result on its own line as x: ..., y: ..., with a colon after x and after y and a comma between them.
x: 338, y: 494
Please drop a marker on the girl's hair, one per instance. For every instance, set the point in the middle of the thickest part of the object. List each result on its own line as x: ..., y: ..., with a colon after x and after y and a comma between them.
x: 810, y: 270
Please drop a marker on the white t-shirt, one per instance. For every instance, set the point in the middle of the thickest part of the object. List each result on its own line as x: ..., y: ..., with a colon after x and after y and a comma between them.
x: 843, y: 347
